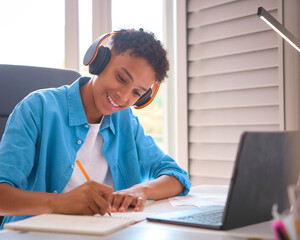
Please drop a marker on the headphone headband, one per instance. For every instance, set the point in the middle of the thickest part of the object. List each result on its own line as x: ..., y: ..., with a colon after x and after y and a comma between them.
x: 92, y: 52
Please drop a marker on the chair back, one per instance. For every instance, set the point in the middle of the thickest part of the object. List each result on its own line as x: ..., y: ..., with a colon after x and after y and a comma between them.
x: 16, y: 82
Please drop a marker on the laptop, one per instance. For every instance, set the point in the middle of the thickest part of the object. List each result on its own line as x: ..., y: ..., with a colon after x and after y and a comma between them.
x: 266, y: 163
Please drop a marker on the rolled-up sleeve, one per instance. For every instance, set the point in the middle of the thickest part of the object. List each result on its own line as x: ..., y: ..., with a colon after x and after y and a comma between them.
x: 17, y: 147
x: 155, y: 162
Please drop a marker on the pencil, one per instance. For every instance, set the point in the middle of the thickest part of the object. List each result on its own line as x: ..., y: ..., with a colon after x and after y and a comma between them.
x: 86, y: 176
x: 83, y: 170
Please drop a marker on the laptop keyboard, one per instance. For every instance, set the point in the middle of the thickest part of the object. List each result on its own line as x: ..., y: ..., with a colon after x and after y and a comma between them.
x: 208, y: 218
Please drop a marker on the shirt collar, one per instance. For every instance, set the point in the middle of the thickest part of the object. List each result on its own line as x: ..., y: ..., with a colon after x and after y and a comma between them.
x: 76, y: 111
x: 108, y: 123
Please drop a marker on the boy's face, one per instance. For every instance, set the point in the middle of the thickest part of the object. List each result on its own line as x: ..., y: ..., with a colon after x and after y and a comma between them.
x: 123, y: 81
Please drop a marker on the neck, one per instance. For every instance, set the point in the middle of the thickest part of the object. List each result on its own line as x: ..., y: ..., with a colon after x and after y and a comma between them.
x: 88, y: 103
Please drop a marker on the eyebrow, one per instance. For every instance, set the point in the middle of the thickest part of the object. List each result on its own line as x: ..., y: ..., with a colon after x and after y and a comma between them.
x: 131, y: 78
x: 129, y: 75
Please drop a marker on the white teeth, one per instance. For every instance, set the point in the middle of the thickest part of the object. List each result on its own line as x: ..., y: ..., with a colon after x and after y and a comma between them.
x: 112, y: 102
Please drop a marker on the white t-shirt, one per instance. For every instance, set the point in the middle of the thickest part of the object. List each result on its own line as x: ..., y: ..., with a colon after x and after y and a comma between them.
x: 91, y: 157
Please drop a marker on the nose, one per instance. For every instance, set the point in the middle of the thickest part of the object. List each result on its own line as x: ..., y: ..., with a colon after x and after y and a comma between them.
x: 124, y: 95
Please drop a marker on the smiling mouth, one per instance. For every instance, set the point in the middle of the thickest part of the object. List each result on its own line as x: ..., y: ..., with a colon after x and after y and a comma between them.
x: 111, y: 101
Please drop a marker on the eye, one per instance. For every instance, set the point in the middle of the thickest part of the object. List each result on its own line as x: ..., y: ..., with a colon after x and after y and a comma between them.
x: 121, y: 79
x: 137, y: 93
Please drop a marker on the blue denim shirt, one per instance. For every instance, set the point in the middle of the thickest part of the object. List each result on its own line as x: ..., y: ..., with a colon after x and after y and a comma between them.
x: 47, y: 128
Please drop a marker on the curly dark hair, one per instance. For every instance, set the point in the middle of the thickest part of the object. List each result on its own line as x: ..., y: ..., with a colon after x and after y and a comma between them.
x: 143, y: 44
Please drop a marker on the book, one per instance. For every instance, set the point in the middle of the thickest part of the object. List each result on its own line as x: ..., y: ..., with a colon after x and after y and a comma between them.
x: 76, y: 224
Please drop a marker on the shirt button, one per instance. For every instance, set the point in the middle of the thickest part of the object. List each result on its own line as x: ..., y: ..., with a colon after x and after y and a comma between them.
x: 72, y: 166
x: 86, y: 126
x: 55, y: 191
x: 79, y: 141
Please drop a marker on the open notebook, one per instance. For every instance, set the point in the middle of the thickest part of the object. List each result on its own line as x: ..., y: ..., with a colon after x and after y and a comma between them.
x: 76, y: 224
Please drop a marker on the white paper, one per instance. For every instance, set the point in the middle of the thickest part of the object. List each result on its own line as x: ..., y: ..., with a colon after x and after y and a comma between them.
x: 203, y: 195
x: 135, y: 216
x: 95, y: 225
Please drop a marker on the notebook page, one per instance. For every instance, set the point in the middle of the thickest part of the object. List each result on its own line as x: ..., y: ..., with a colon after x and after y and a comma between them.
x: 135, y: 216
x: 95, y: 225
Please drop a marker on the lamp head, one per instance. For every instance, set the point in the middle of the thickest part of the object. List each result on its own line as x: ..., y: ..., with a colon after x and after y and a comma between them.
x: 277, y: 27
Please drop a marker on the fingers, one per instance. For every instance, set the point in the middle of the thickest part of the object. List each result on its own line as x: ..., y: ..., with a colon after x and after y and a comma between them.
x: 100, y: 197
x: 102, y: 189
x: 101, y: 205
x: 126, y: 201
x: 140, y: 204
x: 121, y: 202
x: 116, y: 202
x: 88, y: 199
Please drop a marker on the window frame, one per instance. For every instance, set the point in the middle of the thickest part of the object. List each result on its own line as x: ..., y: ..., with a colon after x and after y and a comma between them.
x: 177, y: 117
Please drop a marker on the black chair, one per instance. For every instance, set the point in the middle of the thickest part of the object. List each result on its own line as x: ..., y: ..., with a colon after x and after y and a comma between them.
x: 17, y: 81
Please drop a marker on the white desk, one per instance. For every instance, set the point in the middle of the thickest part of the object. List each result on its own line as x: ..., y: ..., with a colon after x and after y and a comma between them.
x: 155, y: 231
x: 257, y: 231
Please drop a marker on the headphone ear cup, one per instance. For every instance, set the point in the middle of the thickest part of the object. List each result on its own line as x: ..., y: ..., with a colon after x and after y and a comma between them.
x: 147, y: 97
x: 100, y: 61
x: 143, y: 99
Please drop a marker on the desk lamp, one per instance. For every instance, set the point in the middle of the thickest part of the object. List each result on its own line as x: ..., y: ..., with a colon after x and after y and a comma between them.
x: 281, y: 30
x: 291, y: 39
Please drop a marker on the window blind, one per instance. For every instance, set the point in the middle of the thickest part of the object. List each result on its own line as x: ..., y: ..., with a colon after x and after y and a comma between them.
x: 234, y: 82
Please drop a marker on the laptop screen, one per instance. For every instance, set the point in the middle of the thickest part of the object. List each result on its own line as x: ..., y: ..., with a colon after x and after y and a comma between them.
x: 267, y: 162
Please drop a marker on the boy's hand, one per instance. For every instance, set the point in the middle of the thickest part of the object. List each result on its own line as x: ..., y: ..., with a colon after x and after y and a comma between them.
x: 88, y: 199
x: 134, y: 196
